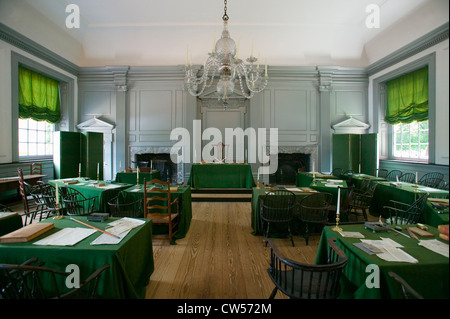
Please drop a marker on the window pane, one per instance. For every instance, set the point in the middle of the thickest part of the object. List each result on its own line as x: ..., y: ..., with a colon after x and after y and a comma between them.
x: 410, y: 141
x: 35, y: 138
x: 23, y: 149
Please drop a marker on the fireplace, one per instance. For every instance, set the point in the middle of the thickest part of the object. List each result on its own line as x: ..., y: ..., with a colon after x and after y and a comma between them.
x: 159, y: 158
x: 292, y: 159
x: 288, y: 166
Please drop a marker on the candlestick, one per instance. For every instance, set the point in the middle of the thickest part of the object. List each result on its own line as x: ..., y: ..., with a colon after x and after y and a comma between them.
x: 79, y: 170
x: 151, y: 166
x: 417, y: 177
x: 98, y: 172
x: 337, y: 228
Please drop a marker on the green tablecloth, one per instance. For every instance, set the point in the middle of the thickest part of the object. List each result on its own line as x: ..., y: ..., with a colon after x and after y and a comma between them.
x: 221, y: 176
x: 184, y: 195
x: 9, y: 221
x: 405, y: 193
x: 131, y: 260
x: 322, y: 184
x: 88, y: 189
x: 131, y: 178
x: 429, y: 277
x: 435, y: 217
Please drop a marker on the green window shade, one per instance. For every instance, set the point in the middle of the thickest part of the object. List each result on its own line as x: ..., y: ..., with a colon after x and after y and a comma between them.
x: 407, y: 98
x: 38, y: 97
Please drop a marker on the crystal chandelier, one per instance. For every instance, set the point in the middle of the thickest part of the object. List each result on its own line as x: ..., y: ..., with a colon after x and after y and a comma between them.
x: 224, y: 62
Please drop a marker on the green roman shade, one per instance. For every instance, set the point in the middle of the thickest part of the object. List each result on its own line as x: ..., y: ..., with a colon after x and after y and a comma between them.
x: 407, y: 98
x: 38, y: 97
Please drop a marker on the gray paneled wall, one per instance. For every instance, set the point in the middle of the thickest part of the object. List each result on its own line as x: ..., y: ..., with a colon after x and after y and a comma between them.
x: 302, y: 102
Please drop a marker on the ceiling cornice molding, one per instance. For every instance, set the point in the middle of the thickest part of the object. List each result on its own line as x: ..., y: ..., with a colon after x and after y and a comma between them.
x: 22, y: 42
x: 428, y: 40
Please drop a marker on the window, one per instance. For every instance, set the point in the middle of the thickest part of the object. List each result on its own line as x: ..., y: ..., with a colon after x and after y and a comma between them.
x: 407, y: 112
x: 410, y: 141
x: 35, y: 138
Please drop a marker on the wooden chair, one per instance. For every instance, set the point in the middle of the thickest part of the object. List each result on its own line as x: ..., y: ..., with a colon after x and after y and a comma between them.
x: 382, y: 172
x: 4, y: 208
x: 401, y: 213
x: 360, y: 202
x: 407, y: 178
x: 307, y: 281
x: 158, y: 205
x: 27, y: 280
x: 431, y: 179
x: 36, y: 169
x: 75, y: 203
x: 313, y: 209
x: 32, y: 203
x: 392, y: 176
x: 125, y: 206
x: 337, y: 172
x: 48, y: 194
x: 277, y: 207
x: 407, y: 290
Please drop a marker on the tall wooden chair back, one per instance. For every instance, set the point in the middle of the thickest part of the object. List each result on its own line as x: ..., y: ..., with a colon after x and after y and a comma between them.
x: 159, y: 206
x: 36, y: 169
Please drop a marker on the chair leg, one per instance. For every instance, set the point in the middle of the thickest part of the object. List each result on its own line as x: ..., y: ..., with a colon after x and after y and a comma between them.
x: 306, y: 235
x: 274, y: 292
x: 266, y: 236
x: 290, y: 235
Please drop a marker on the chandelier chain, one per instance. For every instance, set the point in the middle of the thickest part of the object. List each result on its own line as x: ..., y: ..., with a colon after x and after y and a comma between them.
x: 225, y: 15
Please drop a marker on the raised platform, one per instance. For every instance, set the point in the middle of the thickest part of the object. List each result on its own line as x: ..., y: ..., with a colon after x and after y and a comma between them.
x: 221, y: 195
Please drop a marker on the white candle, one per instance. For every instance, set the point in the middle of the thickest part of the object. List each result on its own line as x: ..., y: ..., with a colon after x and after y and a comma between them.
x: 120, y: 166
x: 417, y: 177
x: 266, y: 67
x: 258, y: 176
x: 98, y: 168
x: 313, y: 167
x: 137, y: 175
x: 338, y: 204
x: 57, y: 195
x: 151, y: 165
x: 79, y: 169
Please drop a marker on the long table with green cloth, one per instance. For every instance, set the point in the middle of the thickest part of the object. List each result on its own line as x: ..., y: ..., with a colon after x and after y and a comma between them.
x: 429, y: 277
x: 131, y: 261
x: 405, y: 193
x: 103, y: 191
x: 221, y: 176
x: 357, y: 179
x: 183, y: 193
x: 131, y: 177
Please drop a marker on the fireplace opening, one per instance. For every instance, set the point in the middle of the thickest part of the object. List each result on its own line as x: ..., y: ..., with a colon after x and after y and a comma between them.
x: 161, y: 162
x: 288, y: 166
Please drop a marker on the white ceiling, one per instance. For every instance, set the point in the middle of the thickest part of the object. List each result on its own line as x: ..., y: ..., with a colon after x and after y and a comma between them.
x: 283, y: 32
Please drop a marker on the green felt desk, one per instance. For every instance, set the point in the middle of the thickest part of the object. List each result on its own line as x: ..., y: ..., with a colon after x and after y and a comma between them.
x: 9, y: 221
x: 405, y: 193
x: 88, y: 189
x: 184, y: 195
x: 131, y: 178
x: 131, y: 260
x: 322, y: 184
x: 221, y: 176
x: 429, y: 277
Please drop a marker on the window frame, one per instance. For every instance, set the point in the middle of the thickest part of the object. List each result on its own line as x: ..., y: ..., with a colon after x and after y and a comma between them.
x: 414, y: 160
x: 67, y: 89
x: 380, y: 100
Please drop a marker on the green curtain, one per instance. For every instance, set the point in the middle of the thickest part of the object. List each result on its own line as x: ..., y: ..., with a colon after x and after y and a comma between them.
x: 407, y: 98
x: 38, y: 97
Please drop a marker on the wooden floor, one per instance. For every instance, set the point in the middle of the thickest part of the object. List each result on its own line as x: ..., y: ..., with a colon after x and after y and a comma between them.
x: 219, y: 258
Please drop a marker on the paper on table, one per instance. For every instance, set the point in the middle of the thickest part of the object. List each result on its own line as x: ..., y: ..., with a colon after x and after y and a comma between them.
x: 436, y: 246
x: 135, y: 189
x: 390, y: 250
x: 335, y: 180
x: 121, y: 228
x: 332, y: 185
x: 351, y: 234
x: 66, y: 237
x: 293, y: 189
